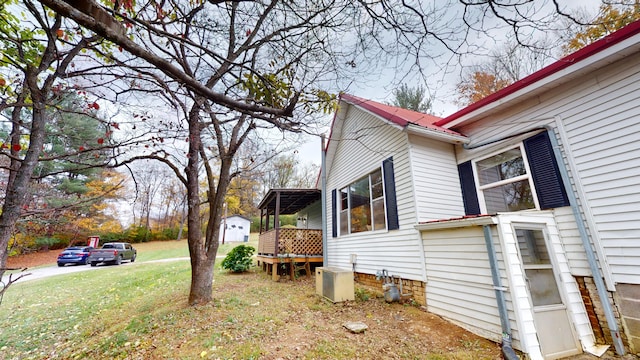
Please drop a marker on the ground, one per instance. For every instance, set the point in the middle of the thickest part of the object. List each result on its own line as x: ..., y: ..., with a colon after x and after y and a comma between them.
x: 34, y: 259
x: 389, y: 331
x: 392, y: 330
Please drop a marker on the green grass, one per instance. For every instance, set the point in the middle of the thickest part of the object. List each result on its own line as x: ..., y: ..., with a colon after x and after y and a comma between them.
x: 158, y: 250
x: 140, y: 312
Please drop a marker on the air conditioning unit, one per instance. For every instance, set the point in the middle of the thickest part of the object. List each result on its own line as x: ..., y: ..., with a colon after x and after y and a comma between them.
x: 335, y: 284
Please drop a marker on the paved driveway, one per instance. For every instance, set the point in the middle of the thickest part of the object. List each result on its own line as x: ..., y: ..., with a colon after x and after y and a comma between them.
x: 42, y: 272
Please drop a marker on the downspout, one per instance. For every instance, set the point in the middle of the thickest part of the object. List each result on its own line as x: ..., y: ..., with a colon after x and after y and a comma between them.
x: 507, y: 351
x: 591, y: 257
x: 323, y: 193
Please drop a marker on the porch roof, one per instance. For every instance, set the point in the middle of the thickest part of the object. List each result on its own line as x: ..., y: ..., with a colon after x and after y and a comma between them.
x: 291, y: 200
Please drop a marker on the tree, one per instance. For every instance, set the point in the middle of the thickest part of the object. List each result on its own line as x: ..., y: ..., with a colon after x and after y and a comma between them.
x: 412, y: 98
x: 38, y: 69
x: 479, y: 85
x: 236, y: 69
x: 513, y: 61
x: 504, y: 66
x: 609, y: 19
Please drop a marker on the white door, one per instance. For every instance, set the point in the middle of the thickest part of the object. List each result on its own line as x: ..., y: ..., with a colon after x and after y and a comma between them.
x: 553, y: 325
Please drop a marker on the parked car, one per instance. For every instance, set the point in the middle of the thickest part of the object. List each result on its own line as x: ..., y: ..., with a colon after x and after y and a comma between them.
x: 78, y: 255
x: 113, y: 253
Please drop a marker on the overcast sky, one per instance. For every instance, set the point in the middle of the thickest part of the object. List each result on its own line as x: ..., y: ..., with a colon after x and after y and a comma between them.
x: 442, y: 88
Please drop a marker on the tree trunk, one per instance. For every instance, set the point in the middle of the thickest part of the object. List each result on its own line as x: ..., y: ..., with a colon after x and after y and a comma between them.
x: 201, y: 279
x: 16, y: 192
x: 201, y: 264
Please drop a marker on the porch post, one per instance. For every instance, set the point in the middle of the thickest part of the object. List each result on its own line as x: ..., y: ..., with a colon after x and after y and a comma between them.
x: 276, y: 223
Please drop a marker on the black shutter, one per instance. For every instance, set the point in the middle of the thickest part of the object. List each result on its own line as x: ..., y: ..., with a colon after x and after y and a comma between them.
x: 334, y: 215
x: 545, y: 173
x: 391, y: 203
x: 468, y: 185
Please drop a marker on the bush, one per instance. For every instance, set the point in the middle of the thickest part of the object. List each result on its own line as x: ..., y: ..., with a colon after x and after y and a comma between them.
x: 47, y: 242
x: 239, y: 259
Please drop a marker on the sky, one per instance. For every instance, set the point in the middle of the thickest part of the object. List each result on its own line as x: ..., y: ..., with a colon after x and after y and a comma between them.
x: 442, y: 88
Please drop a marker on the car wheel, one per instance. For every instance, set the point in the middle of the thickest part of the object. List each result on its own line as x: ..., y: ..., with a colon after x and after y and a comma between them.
x: 93, y: 263
x: 60, y: 265
x: 133, y: 258
x: 118, y: 260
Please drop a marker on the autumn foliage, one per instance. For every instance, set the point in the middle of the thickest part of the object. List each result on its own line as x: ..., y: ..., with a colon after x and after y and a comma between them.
x: 480, y: 85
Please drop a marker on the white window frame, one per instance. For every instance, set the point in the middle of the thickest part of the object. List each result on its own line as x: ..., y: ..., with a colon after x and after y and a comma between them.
x: 382, y: 198
x: 480, y: 188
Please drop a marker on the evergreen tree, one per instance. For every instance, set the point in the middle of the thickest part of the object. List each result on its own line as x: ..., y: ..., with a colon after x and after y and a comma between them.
x: 412, y: 98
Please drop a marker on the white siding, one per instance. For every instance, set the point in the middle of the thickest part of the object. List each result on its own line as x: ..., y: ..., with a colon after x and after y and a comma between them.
x: 238, y: 228
x: 364, y: 142
x: 570, y: 237
x: 437, y: 190
x: 459, y: 282
x: 313, y: 213
x: 598, y: 116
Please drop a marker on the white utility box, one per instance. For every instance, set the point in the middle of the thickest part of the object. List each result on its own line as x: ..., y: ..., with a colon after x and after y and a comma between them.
x: 335, y: 284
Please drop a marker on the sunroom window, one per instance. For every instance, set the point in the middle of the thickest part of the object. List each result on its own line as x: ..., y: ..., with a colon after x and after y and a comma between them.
x: 362, y: 206
x: 504, y: 182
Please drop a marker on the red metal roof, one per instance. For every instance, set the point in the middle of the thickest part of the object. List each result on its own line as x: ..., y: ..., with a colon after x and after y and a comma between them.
x: 584, y: 53
x: 397, y: 115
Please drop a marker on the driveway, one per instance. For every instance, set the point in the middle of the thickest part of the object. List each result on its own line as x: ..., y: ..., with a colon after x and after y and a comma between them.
x: 43, y: 272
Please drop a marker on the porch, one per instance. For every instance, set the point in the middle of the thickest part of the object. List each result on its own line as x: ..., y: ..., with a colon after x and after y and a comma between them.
x: 288, y: 250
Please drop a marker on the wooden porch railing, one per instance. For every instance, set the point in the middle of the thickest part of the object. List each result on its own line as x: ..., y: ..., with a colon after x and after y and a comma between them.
x: 290, y: 241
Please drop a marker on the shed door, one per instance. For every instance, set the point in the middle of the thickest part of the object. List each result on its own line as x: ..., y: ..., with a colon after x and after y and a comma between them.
x: 553, y: 326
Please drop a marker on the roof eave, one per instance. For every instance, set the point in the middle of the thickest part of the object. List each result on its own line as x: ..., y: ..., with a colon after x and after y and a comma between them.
x: 457, y: 223
x: 436, y: 134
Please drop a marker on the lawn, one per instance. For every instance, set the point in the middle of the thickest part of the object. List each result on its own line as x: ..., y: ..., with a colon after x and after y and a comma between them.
x: 141, y: 312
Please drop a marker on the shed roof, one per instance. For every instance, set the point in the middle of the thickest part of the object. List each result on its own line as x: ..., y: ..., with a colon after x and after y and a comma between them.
x: 291, y: 200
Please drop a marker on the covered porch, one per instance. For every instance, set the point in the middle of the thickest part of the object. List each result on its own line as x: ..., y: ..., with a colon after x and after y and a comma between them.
x: 289, y: 249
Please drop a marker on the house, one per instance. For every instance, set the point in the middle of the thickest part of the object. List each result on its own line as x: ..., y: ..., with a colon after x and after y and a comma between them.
x: 235, y: 228
x: 517, y: 217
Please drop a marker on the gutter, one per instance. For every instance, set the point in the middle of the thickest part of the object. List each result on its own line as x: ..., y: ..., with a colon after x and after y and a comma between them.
x: 507, y: 351
x: 436, y: 134
x: 323, y: 192
x: 479, y: 220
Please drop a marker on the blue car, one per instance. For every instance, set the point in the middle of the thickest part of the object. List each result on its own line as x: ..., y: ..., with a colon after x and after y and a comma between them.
x: 74, y: 255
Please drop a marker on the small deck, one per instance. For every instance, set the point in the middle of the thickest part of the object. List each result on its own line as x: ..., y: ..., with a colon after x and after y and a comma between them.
x: 291, y: 248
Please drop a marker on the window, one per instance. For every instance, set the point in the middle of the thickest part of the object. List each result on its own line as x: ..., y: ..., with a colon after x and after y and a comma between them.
x: 537, y: 267
x: 525, y: 176
x: 362, y: 205
x: 367, y: 204
x: 504, y: 182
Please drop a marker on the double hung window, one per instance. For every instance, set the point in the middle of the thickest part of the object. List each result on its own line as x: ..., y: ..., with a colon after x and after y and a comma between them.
x: 525, y: 176
x: 504, y: 182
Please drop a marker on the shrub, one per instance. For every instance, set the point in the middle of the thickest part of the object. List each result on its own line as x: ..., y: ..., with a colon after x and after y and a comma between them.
x: 46, y: 242
x: 239, y: 259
